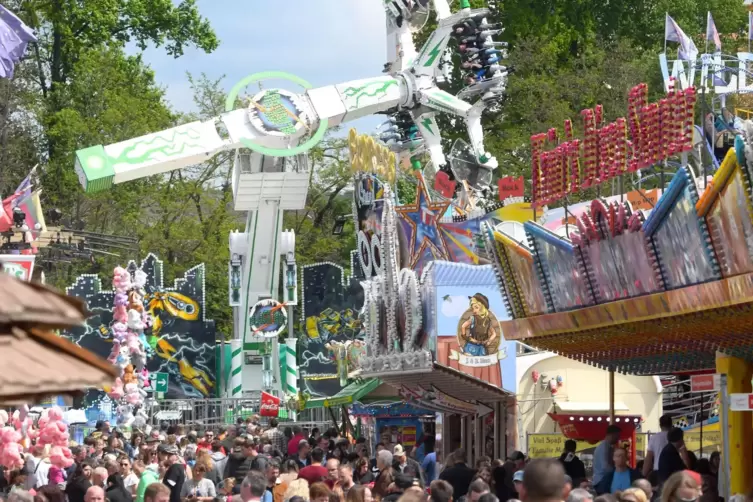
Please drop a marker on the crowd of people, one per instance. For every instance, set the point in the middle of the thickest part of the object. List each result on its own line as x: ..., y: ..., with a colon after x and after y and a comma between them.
x: 250, y: 463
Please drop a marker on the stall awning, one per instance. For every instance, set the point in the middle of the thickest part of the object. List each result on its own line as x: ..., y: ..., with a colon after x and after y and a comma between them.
x: 348, y: 395
x: 589, y: 406
x: 593, y: 428
x: 667, y: 332
x: 452, y: 382
x: 38, y: 364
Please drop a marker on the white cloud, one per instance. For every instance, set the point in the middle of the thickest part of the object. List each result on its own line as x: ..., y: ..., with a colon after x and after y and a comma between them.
x: 454, y: 306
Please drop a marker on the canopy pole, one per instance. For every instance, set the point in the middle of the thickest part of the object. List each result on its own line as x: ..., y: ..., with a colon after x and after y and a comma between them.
x: 611, y: 397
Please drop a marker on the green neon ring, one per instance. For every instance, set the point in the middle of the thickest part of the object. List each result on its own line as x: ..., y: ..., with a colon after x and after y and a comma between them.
x: 276, y: 152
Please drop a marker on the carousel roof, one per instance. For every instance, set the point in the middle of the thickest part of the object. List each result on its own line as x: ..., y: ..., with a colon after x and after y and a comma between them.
x: 35, y: 362
x: 642, y: 297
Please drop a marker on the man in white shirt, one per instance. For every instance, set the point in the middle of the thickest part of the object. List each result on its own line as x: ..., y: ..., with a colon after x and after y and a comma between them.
x: 656, y: 444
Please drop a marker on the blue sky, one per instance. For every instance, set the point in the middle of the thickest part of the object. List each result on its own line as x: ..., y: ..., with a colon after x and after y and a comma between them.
x: 322, y: 41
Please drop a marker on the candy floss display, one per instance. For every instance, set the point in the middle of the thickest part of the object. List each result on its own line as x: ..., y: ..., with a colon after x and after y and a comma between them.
x: 129, y: 347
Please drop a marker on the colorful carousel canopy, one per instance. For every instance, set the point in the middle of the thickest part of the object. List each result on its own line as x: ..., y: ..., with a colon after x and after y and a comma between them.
x: 636, y: 295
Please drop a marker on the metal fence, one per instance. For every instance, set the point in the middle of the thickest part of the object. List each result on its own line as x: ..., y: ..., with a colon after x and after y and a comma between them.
x: 225, y: 411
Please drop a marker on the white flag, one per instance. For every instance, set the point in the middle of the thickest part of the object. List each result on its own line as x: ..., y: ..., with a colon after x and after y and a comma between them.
x: 673, y: 33
x: 750, y: 25
x: 712, y: 35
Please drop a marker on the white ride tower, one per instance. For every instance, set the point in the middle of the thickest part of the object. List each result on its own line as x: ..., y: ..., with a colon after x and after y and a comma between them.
x: 270, y: 172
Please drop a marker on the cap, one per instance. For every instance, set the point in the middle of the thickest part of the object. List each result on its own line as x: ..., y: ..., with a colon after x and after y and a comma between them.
x: 518, y: 476
x: 170, y: 449
x: 516, y: 455
x: 398, y: 451
x: 152, y: 439
x: 483, y: 300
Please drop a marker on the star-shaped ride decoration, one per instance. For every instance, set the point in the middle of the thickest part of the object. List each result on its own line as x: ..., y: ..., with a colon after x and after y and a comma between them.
x: 421, y: 223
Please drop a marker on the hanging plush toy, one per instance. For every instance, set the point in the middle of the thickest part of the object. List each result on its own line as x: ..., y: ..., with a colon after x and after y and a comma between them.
x: 553, y: 386
x: 535, y: 376
x: 560, y: 381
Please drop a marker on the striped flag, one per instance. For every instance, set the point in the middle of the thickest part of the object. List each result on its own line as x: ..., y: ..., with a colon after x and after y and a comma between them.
x: 712, y: 35
x: 32, y: 208
x: 14, y: 37
x: 673, y: 33
x: 28, y: 181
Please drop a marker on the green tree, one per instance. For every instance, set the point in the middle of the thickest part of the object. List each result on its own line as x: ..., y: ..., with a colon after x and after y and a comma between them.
x: 330, y: 196
x: 71, y: 36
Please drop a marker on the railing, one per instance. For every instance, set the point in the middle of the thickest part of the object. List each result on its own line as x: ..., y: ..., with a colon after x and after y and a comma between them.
x: 225, y: 411
x: 739, y: 112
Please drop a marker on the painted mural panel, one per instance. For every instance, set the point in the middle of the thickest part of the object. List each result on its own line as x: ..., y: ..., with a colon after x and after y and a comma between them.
x: 182, y: 340
x: 468, y: 334
x: 731, y: 228
x: 332, y: 328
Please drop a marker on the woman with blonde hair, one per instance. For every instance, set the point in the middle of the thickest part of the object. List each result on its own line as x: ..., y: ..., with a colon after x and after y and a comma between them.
x: 632, y: 495
x: 681, y: 486
x: 297, y: 488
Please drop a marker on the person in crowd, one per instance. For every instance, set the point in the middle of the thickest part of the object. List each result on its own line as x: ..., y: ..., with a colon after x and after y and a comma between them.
x: 157, y: 492
x: 362, y: 474
x: 133, y: 447
x: 295, y: 442
x: 372, y: 462
x: 319, y: 492
x: 645, y: 485
x: 403, y: 483
x: 517, y: 482
x: 303, y: 458
x: 484, y: 473
x: 175, y: 475
x: 656, y: 444
x: 253, y: 486
x: 219, y: 459
x: 275, y: 436
x: 681, y: 486
x: 580, y: 495
x: 79, y: 454
x: 38, y: 469
x: 116, y: 490
x: 324, y: 445
x: 99, y: 476
x: 620, y: 478
x: 572, y: 463
x: 603, y: 454
x: 315, y: 472
x: 476, y: 489
x: 458, y: 475
x: 402, y: 462
x: 674, y: 456
x: 80, y: 482
x: 95, y: 494
x: 288, y: 474
x: 543, y: 481
x: 345, y: 478
x: 358, y: 493
x: 147, y: 476
x: 332, y: 466
x: 385, y: 477
x: 199, y: 487
x: 441, y: 491
x: 272, y: 473
x: 298, y: 488
x: 239, y: 462
x: 130, y: 479
x: 429, y: 462
x: 632, y: 495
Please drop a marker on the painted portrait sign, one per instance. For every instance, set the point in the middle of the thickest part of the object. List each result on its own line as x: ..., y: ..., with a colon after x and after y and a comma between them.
x: 478, y: 334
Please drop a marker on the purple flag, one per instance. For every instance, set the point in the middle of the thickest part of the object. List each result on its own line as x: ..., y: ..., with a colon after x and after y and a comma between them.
x: 14, y: 37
